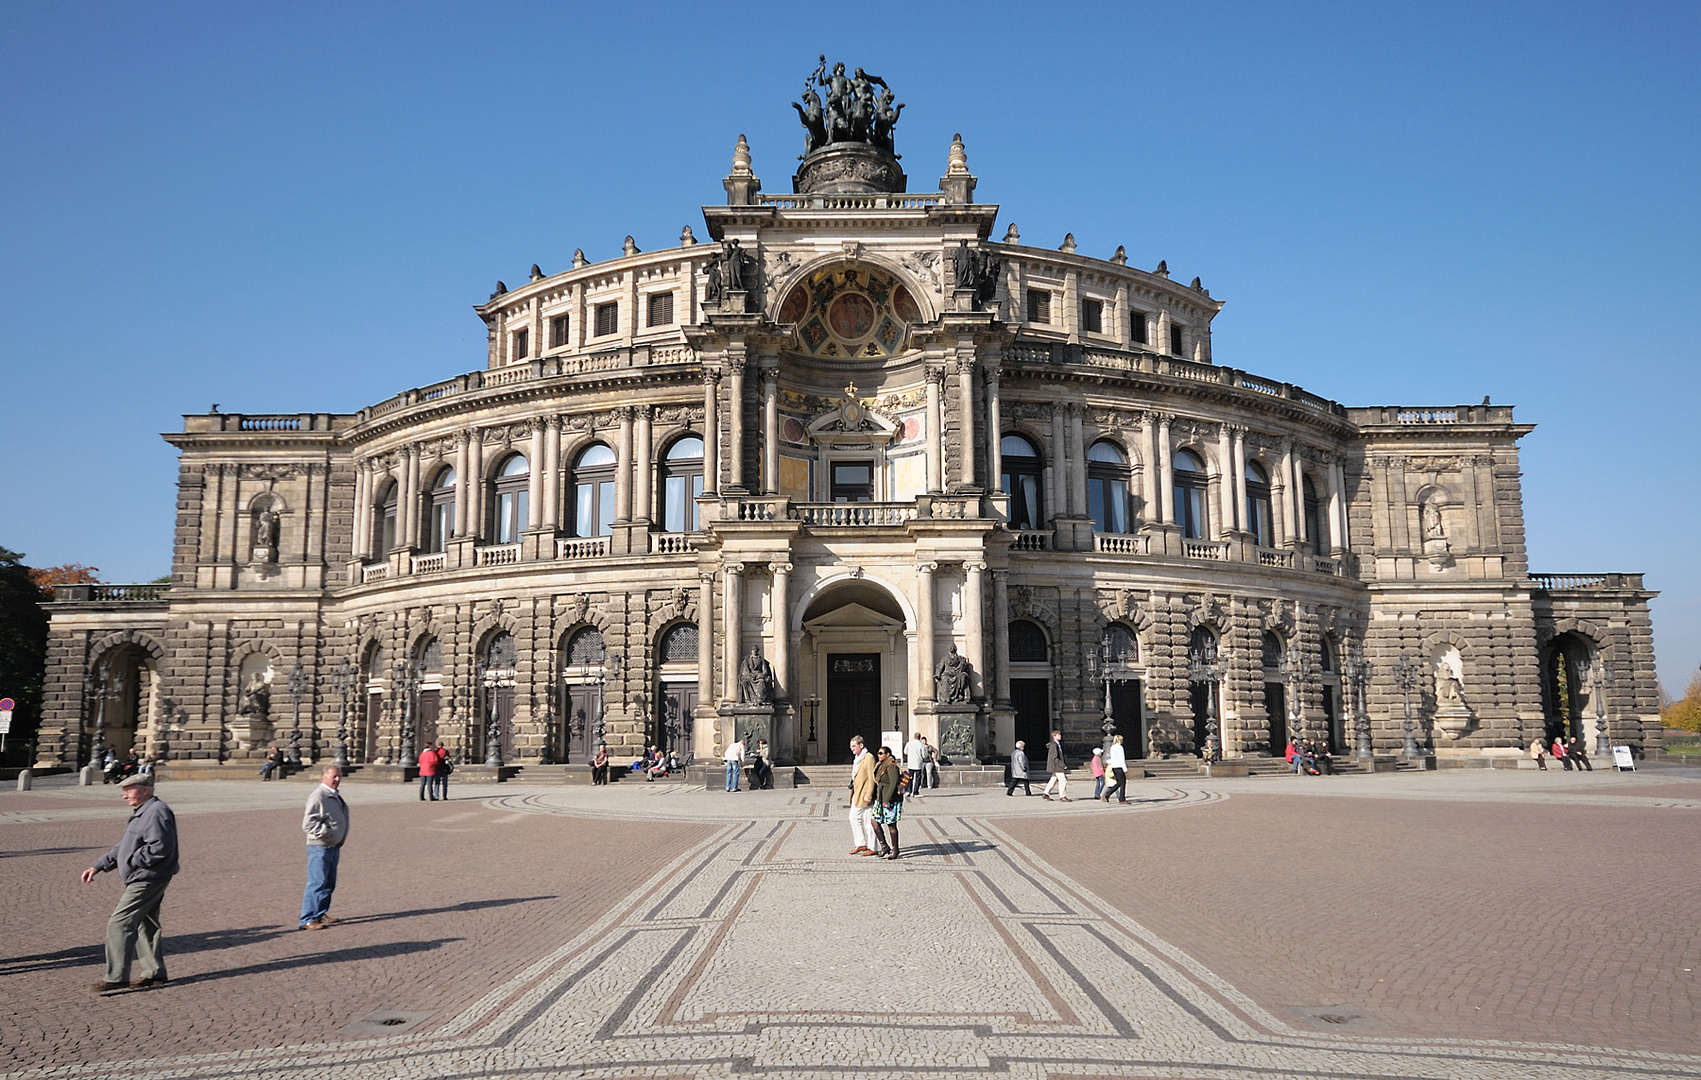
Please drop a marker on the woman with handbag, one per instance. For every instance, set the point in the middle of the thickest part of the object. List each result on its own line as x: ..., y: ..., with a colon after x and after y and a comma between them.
x: 888, y: 802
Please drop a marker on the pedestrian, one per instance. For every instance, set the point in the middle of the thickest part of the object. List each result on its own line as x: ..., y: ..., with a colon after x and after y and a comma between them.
x: 1559, y: 753
x: 933, y: 762
x: 861, y: 797
x: 915, y: 760
x: 444, y: 768
x: 1117, y: 763
x: 146, y: 859
x: 1537, y: 754
x: 599, y: 764
x: 1018, y: 770
x: 1056, y: 771
x: 326, y: 825
x: 762, y: 769
x: 428, y: 773
x: 1098, y: 772
x: 1574, y: 752
x: 888, y: 802
x: 734, y: 763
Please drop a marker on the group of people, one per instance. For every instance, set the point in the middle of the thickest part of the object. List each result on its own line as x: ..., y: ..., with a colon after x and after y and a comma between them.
x: 877, y: 790
x: 1310, y: 756
x: 115, y: 768
x: 760, y: 760
x: 434, y: 770
x: 1057, y: 772
x: 1568, y: 752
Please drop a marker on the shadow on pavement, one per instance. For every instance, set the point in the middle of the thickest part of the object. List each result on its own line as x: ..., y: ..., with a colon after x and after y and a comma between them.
x: 329, y: 956
x: 46, y: 851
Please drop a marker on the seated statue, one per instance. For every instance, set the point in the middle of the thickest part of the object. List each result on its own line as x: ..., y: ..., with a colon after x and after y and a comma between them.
x: 755, y: 679
x: 951, y: 678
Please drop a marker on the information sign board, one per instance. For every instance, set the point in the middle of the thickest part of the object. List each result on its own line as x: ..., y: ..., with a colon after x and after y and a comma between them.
x: 1622, y: 760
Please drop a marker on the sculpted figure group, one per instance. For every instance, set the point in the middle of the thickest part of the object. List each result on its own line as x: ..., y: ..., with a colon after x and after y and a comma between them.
x: 850, y: 110
x: 976, y: 270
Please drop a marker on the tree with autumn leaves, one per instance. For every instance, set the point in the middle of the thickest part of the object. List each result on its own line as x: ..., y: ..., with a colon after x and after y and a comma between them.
x: 1685, y: 715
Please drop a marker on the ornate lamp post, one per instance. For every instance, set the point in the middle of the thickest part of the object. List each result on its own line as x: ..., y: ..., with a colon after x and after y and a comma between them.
x: 1204, y: 667
x: 298, y: 685
x: 1300, y: 670
x: 407, y: 685
x: 111, y: 685
x: 610, y: 671
x: 491, y: 679
x: 343, y: 683
x: 897, y: 703
x: 1603, y: 681
x: 1357, y: 671
x: 1406, y: 678
x: 1099, y: 666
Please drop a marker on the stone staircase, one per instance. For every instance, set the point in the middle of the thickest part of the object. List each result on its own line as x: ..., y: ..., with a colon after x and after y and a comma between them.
x: 1184, y: 768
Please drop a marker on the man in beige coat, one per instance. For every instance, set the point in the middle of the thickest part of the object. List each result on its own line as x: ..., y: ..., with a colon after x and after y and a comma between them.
x: 861, y: 798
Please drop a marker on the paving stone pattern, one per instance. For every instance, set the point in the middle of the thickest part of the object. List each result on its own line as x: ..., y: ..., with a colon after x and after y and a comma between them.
x: 713, y: 934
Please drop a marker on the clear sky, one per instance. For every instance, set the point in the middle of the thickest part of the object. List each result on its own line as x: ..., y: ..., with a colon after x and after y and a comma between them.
x: 293, y: 207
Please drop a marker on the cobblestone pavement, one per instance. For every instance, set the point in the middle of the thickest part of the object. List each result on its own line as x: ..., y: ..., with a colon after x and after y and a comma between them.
x: 1264, y: 928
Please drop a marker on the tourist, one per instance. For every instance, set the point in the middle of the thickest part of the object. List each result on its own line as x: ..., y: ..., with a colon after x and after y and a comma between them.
x: 915, y: 760
x: 1559, y: 753
x: 934, y: 759
x: 1057, y: 772
x: 861, y: 797
x: 326, y: 825
x: 762, y: 769
x: 1118, y: 766
x: 1018, y: 770
x: 888, y: 805
x: 1538, y: 754
x: 146, y: 859
x: 1574, y: 752
x: 444, y: 768
x: 428, y: 774
x: 1098, y: 772
x: 656, y: 765
x: 599, y: 764
x: 735, y: 755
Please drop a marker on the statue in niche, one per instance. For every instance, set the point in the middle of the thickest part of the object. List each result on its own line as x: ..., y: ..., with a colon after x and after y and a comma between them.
x: 732, y: 266
x: 1430, y: 515
x: 963, y: 266
x: 256, y: 703
x: 265, y: 546
x: 951, y: 678
x: 755, y: 679
x: 1448, y: 689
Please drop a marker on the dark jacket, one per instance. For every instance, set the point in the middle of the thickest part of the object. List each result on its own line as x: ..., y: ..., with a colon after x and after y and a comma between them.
x: 1054, y: 757
x: 887, y: 788
x: 147, y: 852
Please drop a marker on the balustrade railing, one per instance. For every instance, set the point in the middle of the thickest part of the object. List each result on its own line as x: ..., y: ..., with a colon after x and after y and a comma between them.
x: 1323, y: 564
x: 429, y: 564
x: 854, y: 514
x: 269, y: 423
x: 671, y: 544
x: 1032, y: 540
x: 1216, y: 550
x: 753, y: 510
x: 586, y: 547
x: 1427, y: 416
x: 128, y: 593
x: 1555, y: 582
x: 375, y: 572
x: 1275, y: 557
x: 953, y: 507
x: 519, y: 373
x: 1122, y: 544
x: 498, y: 555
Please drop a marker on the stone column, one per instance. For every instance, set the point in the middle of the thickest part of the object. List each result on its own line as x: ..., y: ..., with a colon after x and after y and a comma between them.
x: 534, y: 477
x: 711, y: 433
x: 1056, y: 469
x: 735, y: 422
x: 1337, y: 506
x: 1240, y: 474
x: 994, y: 432
x: 475, y: 482
x: 1001, y: 635
x: 551, y: 469
x: 966, y: 404
x: 1077, y: 462
x: 1225, y: 458
x: 623, y: 466
x: 974, y: 599
x: 1297, y: 487
x: 643, y: 466
x: 924, y: 647
x: 1166, y: 470
x: 732, y: 635
x: 408, y: 505
x: 935, y: 431
x: 1280, y: 500
x: 779, y: 605
x: 770, y: 432
x: 464, y: 486
x: 363, y: 506
x: 705, y: 638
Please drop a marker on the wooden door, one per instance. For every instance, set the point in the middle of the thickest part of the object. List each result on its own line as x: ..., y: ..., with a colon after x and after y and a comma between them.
x: 584, y: 712
x: 1031, y: 698
x: 672, y: 728
x: 429, y: 706
x: 853, y: 703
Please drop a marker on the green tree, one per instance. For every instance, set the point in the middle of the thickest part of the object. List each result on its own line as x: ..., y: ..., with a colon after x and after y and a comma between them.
x: 1685, y: 715
x: 23, y: 648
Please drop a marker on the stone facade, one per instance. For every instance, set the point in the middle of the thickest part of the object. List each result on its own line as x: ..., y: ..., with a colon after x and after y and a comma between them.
x: 850, y: 432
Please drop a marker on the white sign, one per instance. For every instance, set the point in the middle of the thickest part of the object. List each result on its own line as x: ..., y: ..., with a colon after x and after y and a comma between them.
x: 1622, y: 760
x: 5, y: 721
x: 894, y: 741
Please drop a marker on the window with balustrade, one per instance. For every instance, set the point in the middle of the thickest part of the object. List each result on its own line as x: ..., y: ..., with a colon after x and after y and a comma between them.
x: 387, y: 506
x: 509, y: 500
x: 607, y: 319
x: 852, y: 481
x: 1092, y: 316
x: 1316, y: 522
x: 1023, y: 469
x: 1177, y: 339
x: 593, y: 492
x: 1258, y: 505
x: 521, y: 347
x: 440, y: 512
x: 1191, y: 486
x: 557, y: 331
x: 681, y: 484
x: 1039, y: 306
x: 1137, y: 327
x: 1108, y: 475
x: 659, y: 309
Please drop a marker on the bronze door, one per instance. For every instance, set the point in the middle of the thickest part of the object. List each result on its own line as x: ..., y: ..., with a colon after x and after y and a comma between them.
x: 584, y: 712
x: 673, y: 721
x: 1276, y: 706
x: 1125, y: 713
x: 430, y: 702
x: 853, y: 703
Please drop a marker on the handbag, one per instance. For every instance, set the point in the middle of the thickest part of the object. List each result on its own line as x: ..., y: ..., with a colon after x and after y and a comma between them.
x: 444, y: 768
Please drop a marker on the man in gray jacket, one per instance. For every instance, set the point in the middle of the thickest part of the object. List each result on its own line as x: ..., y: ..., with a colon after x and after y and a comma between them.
x: 146, y: 858
x: 326, y: 826
x: 1018, y: 770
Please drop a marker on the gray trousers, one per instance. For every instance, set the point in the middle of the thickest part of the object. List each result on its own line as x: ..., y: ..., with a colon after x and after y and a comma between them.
x: 135, y: 923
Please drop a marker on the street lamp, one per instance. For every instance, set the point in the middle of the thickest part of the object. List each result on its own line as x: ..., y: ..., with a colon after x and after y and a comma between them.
x: 1299, y: 669
x: 298, y: 685
x: 407, y: 686
x: 1406, y: 678
x: 812, y: 703
x: 343, y: 682
x: 1603, y: 680
x: 1357, y: 671
x: 1204, y: 667
x: 491, y: 679
x: 897, y: 703
x: 111, y: 689
x: 1099, y: 669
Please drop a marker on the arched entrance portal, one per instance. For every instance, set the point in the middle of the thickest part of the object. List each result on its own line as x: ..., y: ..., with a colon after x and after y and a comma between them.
x: 855, y: 660
x: 123, y: 705
x: 1567, y: 694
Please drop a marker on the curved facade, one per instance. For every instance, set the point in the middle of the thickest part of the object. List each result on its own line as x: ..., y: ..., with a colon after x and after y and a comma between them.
x: 782, y: 479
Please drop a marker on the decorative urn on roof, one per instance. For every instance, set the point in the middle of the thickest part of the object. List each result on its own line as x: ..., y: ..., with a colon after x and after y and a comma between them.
x: 847, y: 134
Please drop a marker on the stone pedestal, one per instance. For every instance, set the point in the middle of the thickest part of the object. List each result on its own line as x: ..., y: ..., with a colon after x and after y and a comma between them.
x: 749, y: 722
x: 1454, y: 720
x: 958, y: 739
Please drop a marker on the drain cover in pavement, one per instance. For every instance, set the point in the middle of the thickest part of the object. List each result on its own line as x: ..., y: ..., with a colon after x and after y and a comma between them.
x: 385, y: 1022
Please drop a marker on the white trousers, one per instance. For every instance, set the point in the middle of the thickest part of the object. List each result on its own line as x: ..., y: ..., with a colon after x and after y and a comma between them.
x: 1062, y: 782
x: 862, y: 826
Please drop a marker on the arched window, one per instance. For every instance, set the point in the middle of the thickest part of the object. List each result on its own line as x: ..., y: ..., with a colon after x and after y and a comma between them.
x: 510, y: 517
x: 593, y: 491
x: 386, y: 521
x: 1316, y: 524
x: 682, y: 483
x: 679, y: 644
x: 1027, y: 643
x: 1273, y: 650
x: 1021, y: 481
x: 586, y: 648
x: 1327, y: 649
x: 1107, y: 487
x: 442, y: 512
x: 1258, y: 505
x: 1122, y: 647
x: 1190, y: 487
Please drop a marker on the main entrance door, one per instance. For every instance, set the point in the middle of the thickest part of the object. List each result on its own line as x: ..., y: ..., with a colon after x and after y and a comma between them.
x: 584, y: 712
x: 1276, y: 709
x: 853, y: 703
x: 676, y: 704
x: 1031, y: 698
x: 1125, y: 712
x: 430, y: 708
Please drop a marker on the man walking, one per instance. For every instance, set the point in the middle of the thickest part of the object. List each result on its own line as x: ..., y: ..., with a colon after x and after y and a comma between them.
x: 1056, y: 770
x: 146, y: 859
x: 1018, y: 770
x: 861, y: 797
x: 326, y: 826
x: 915, y: 760
x: 734, y: 763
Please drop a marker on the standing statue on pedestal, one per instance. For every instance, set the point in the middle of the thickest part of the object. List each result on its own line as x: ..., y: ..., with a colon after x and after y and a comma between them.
x: 755, y: 679
x: 951, y: 678
x: 712, y: 291
x: 732, y: 266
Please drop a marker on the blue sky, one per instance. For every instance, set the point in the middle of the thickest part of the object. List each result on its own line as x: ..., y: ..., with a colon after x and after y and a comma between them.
x: 293, y: 207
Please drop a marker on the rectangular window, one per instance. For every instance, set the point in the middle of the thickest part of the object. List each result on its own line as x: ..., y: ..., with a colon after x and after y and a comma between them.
x: 1039, y: 306
x: 1092, y: 316
x: 608, y: 319
x: 1175, y: 339
x: 558, y: 331
x: 853, y: 481
x: 661, y: 309
x: 1137, y: 326
x: 521, y: 350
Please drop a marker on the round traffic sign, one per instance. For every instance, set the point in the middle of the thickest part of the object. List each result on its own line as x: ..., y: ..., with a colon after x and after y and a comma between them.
x: 6, y: 704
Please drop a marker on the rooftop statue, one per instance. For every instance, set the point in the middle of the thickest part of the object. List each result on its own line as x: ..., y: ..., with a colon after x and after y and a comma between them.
x: 848, y: 110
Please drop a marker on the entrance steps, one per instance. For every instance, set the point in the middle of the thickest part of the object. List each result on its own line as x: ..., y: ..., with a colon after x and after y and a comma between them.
x: 1180, y: 768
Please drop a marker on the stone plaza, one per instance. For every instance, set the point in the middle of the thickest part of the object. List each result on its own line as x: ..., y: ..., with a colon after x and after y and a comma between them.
x: 1453, y: 923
